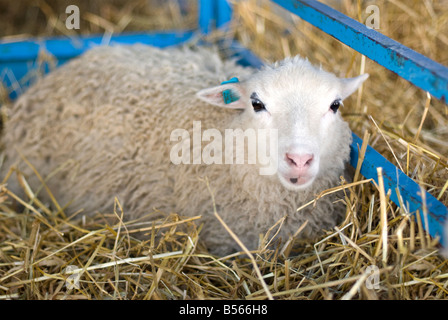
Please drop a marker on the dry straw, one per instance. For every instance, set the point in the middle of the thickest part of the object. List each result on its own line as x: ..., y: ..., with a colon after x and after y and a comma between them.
x: 45, y: 254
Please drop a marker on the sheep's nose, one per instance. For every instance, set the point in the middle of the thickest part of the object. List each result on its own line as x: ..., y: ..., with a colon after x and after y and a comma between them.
x: 299, y: 161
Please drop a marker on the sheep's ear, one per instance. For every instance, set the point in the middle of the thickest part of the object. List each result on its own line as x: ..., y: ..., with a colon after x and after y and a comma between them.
x: 350, y: 85
x: 228, y: 95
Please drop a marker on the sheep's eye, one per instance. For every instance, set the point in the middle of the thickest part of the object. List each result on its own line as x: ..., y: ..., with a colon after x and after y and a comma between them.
x: 256, y: 103
x: 335, y: 105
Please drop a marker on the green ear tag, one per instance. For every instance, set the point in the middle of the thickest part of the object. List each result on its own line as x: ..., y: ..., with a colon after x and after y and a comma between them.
x: 228, y: 95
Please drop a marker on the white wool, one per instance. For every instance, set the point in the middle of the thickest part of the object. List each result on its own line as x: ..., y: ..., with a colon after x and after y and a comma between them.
x: 99, y: 127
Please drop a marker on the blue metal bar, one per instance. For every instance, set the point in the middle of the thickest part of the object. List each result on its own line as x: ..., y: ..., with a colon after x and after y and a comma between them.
x: 224, y: 13
x: 64, y: 47
x: 408, y: 64
x: 409, y: 191
x: 207, y: 19
x: 213, y: 14
x: 20, y: 57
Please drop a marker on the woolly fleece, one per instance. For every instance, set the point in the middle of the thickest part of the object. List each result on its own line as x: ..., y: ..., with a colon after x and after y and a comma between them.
x: 99, y: 127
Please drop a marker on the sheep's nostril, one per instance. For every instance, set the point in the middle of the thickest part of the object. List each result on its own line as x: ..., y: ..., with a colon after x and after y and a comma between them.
x: 291, y: 161
x: 293, y: 180
x: 299, y: 160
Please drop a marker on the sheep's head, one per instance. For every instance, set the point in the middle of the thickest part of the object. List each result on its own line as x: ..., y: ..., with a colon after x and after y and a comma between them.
x: 302, y: 102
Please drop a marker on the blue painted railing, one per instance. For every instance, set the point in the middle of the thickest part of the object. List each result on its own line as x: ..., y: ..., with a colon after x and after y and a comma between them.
x: 20, y: 57
x: 213, y: 14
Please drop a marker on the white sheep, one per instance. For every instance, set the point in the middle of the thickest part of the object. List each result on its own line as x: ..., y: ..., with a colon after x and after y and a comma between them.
x: 102, y: 126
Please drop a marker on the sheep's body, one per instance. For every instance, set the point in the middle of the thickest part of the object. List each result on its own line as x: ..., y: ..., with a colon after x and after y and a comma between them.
x: 101, y: 125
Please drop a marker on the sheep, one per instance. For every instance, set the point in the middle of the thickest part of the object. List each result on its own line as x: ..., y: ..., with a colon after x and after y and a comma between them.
x: 113, y: 123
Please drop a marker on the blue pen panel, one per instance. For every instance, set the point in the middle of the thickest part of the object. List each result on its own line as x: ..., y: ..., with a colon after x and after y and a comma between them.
x: 214, y: 14
x: 223, y: 13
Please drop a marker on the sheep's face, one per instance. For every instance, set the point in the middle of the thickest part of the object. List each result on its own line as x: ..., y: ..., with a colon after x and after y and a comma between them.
x: 301, y: 103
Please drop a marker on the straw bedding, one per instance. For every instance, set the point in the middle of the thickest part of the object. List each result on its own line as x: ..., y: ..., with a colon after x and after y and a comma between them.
x: 47, y: 255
